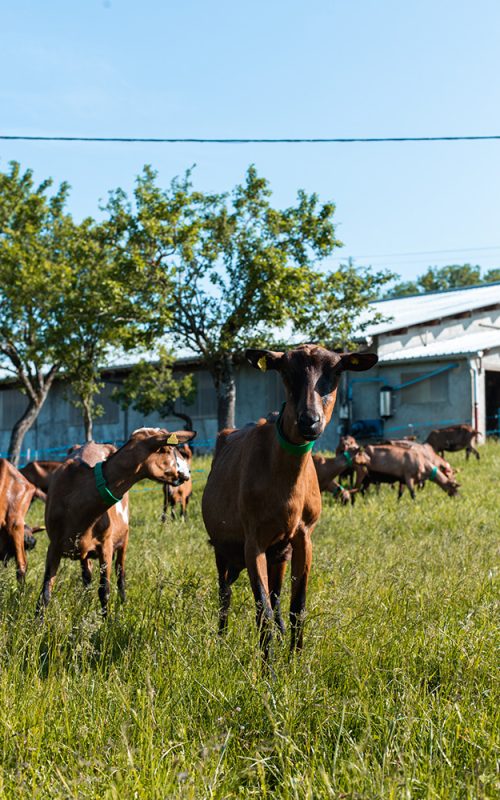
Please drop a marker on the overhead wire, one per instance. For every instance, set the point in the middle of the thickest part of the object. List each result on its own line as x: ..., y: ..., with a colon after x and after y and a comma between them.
x: 249, y: 140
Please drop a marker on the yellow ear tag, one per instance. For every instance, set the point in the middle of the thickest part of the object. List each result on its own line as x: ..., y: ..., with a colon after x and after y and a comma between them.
x: 172, y: 439
x: 354, y: 360
x: 262, y: 363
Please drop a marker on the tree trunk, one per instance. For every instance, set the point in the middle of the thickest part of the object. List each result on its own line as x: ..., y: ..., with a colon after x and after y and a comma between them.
x: 225, y: 387
x: 88, y: 422
x: 22, y: 426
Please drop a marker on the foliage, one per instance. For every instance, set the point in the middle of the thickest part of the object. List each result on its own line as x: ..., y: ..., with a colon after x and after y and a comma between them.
x: 152, y: 387
x: 230, y: 270
x: 438, y: 279
x: 395, y: 694
x: 65, y: 300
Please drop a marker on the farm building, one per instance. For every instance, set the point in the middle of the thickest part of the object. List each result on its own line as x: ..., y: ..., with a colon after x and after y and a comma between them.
x: 439, y: 364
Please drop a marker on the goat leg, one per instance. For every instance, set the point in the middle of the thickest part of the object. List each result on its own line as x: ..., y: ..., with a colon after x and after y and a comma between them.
x: 86, y: 571
x: 17, y: 531
x: 256, y: 564
x: 51, y: 566
x: 276, y: 573
x: 120, y: 571
x: 105, y: 561
x: 165, y: 502
x: 224, y: 591
x: 301, y: 566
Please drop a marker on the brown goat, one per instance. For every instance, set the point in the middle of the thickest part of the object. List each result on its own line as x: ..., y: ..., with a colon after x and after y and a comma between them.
x: 406, y: 465
x: 428, y: 451
x: 84, y: 500
x: 327, y: 469
x: 178, y: 495
x: 16, y: 494
x: 262, y: 498
x: 453, y: 438
x: 39, y: 474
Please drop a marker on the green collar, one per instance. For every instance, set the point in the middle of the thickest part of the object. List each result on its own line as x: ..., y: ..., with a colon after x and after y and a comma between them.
x: 102, y: 487
x: 434, y: 473
x: 289, y: 447
x: 348, y: 458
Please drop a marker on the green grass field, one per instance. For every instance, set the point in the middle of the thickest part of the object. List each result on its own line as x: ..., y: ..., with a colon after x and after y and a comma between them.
x: 395, y: 694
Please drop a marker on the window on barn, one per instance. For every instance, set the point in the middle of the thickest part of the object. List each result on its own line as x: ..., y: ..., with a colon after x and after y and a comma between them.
x: 12, y: 404
x: 429, y: 390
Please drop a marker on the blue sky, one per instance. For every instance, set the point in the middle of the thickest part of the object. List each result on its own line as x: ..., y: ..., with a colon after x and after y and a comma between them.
x: 270, y: 69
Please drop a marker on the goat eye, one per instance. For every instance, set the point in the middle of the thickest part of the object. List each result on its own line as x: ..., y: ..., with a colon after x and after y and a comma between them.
x: 325, y: 384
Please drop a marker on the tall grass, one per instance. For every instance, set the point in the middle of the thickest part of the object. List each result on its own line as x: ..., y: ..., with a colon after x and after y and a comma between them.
x: 394, y: 696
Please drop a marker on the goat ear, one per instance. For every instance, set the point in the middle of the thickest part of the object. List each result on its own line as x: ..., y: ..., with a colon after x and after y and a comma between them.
x: 264, y: 359
x: 357, y: 362
x: 180, y: 437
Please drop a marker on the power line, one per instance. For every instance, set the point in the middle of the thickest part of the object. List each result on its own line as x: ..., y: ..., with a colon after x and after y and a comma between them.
x: 179, y: 140
x: 422, y: 252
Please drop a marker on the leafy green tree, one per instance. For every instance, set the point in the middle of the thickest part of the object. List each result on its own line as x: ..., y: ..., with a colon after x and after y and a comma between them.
x: 104, y: 313
x: 65, y: 301
x: 230, y: 270
x: 439, y: 279
x: 152, y: 387
x: 492, y: 276
x: 34, y: 276
x: 452, y: 277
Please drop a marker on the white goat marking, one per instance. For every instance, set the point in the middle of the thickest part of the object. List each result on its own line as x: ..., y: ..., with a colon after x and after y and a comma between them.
x: 182, y: 466
x: 123, y: 511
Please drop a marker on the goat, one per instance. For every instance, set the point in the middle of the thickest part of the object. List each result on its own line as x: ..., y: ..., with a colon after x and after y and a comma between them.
x: 16, y: 494
x: 406, y: 465
x: 327, y: 469
x: 453, y: 438
x: 85, y: 498
x: 39, y: 474
x: 173, y: 495
x: 262, y: 498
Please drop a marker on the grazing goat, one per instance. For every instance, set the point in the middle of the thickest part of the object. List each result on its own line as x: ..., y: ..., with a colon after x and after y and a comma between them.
x: 453, y: 438
x: 87, y: 499
x: 39, y: 474
x: 406, y: 465
x: 428, y: 451
x: 262, y: 498
x: 16, y: 494
x: 173, y: 495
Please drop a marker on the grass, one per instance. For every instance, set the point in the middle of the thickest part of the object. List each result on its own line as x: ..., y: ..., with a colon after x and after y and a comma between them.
x: 395, y: 695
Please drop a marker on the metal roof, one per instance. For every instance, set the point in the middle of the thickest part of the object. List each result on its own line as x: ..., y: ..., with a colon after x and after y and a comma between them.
x: 404, y: 312
x: 467, y: 344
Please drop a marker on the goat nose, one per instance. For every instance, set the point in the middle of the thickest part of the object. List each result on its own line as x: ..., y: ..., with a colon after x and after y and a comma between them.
x: 308, y: 420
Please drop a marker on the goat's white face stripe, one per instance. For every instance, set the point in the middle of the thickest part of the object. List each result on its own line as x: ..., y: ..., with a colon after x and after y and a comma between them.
x: 182, y: 467
x: 122, y: 511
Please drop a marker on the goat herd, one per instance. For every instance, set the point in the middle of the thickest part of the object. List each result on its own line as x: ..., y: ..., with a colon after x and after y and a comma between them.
x: 261, y: 502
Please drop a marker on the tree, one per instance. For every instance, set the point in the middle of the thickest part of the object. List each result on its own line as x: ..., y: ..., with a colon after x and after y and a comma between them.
x: 230, y: 270
x: 65, y: 302
x: 153, y: 387
x: 439, y: 279
x: 492, y: 276
x: 103, y: 313
x: 34, y: 274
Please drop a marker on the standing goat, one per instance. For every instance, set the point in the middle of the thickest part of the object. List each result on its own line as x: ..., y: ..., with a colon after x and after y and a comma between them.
x: 16, y: 494
x: 79, y: 515
x: 262, y: 498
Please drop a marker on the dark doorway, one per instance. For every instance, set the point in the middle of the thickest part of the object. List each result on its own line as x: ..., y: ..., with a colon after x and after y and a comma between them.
x: 492, y: 402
